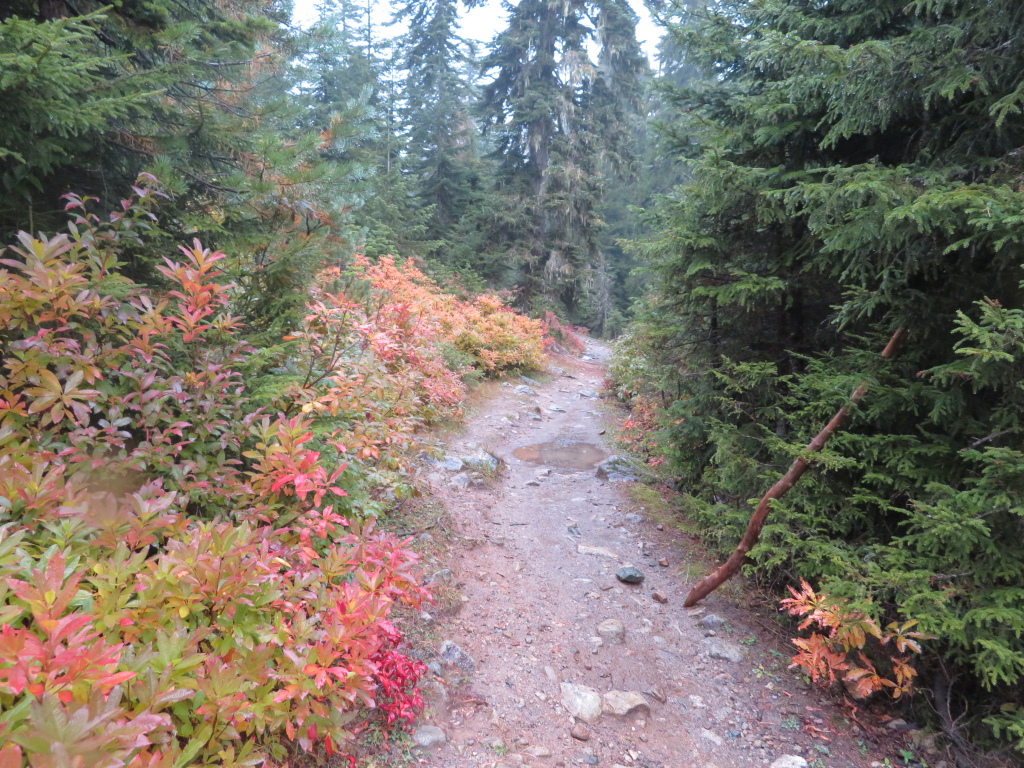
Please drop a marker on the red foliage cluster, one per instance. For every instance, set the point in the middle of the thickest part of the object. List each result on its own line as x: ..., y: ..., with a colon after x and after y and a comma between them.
x: 182, y: 580
x: 638, y: 430
x: 569, y: 336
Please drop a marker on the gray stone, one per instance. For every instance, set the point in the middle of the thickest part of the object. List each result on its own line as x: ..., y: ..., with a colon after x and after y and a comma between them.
x: 789, y: 761
x: 434, y: 668
x: 581, y: 702
x: 556, y: 408
x: 460, y: 481
x: 623, y: 703
x: 530, y: 382
x: 589, y: 758
x: 453, y: 656
x: 523, y: 389
x: 588, y: 393
x: 616, y: 469
x: 452, y: 463
x: 711, y: 736
x: 629, y: 575
x: 712, y: 621
x: 723, y: 649
x: 440, y: 577
x: 612, y: 631
x: 482, y: 461
x: 428, y: 736
x: 537, y: 751
x: 632, y: 518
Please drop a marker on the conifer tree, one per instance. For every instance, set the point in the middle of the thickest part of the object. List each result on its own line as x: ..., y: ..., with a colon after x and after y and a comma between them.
x: 855, y: 169
x: 559, y: 124
x: 441, y: 139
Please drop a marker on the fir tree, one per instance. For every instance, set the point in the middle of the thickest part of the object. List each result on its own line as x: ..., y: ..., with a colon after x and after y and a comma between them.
x: 856, y: 169
x: 559, y: 122
x: 441, y: 159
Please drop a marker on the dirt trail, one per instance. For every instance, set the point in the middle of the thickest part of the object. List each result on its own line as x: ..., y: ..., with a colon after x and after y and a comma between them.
x: 535, y: 561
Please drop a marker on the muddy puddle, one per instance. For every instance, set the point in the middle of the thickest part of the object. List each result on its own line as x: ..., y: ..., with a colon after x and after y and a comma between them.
x: 561, y: 455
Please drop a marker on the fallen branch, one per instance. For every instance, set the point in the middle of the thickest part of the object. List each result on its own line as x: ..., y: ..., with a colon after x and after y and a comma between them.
x: 728, y: 569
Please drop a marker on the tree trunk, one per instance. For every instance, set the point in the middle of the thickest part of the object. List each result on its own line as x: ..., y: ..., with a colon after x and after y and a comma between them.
x: 728, y: 569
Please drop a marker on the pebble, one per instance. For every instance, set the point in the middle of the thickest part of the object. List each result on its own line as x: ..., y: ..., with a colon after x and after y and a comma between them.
x: 452, y: 464
x: 440, y: 577
x: 452, y: 655
x: 711, y: 736
x: 580, y: 732
x: 428, y: 736
x: 723, y: 649
x: 629, y: 575
x: 525, y: 389
x: 581, y: 702
x: 529, y: 382
x: 460, y: 481
x: 589, y: 393
x: 712, y: 621
x: 658, y: 597
x: 537, y: 752
x: 789, y: 761
x: 612, y: 631
x: 663, y: 562
x: 589, y: 758
x: 556, y: 408
x: 633, y: 518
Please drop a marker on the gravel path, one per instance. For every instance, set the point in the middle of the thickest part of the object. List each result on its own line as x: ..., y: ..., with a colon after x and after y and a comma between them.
x: 553, y: 660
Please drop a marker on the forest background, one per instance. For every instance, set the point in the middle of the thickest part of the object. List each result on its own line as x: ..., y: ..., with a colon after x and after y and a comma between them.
x: 795, y: 182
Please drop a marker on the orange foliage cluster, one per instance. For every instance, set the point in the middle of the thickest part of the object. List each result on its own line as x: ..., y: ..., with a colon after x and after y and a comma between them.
x: 495, y: 337
x: 841, y: 629
x: 185, y: 578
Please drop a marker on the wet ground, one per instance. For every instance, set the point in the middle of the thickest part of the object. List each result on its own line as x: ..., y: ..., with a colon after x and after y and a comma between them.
x: 561, y: 455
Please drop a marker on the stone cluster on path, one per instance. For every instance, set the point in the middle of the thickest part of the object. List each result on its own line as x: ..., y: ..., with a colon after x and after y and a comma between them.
x: 572, y: 646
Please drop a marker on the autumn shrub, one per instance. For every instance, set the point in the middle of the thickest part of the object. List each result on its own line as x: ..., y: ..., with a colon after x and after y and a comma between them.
x: 838, y: 630
x: 180, y: 580
x: 495, y: 337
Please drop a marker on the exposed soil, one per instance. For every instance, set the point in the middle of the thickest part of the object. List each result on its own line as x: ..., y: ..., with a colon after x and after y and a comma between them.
x: 529, y: 601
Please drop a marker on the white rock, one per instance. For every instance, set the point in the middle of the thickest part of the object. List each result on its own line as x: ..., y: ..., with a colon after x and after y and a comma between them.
x: 623, y: 702
x: 588, y: 549
x: 790, y: 761
x: 581, y: 702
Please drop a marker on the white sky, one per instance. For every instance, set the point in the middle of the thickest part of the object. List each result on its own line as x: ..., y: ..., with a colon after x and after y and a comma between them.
x: 486, y: 20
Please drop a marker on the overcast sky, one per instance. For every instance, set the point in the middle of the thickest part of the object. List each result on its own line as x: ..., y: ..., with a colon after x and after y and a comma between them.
x: 484, y: 21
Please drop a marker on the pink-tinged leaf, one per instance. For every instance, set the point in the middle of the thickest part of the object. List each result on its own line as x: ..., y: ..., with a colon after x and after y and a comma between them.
x: 10, y: 754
